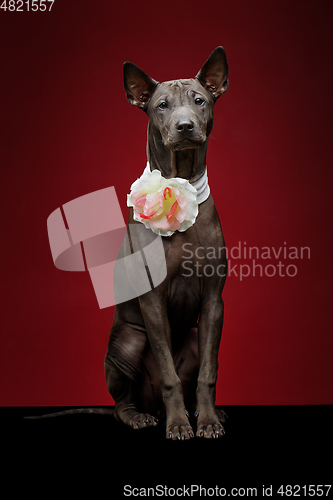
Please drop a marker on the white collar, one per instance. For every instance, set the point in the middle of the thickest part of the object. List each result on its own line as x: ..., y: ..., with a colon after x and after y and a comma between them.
x: 201, y: 185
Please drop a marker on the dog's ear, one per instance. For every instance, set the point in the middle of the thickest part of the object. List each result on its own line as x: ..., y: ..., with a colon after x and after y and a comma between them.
x: 213, y: 75
x: 138, y: 85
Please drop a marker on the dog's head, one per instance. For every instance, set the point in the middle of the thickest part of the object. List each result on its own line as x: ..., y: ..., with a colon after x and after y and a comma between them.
x: 180, y: 111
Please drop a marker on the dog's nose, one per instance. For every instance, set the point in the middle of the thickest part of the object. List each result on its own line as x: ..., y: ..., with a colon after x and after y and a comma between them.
x: 184, y: 125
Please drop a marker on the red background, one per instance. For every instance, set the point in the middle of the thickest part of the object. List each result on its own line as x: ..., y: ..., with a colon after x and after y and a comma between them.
x: 68, y: 130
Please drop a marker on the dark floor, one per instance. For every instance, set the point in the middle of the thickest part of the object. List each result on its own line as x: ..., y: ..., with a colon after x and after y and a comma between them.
x: 263, y: 445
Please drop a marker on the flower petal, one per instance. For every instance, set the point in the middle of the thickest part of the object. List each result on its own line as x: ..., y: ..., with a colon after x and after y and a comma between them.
x: 172, y: 211
x: 141, y: 200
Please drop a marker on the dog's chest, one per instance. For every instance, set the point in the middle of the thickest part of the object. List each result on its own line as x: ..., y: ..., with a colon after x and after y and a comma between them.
x: 195, y: 269
x: 196, y: 260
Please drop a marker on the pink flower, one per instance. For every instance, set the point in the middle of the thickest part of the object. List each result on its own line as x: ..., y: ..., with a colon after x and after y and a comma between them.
x: 163, y: 205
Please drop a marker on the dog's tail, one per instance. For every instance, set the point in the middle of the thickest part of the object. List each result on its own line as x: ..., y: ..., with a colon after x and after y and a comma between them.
x: 75, y: 411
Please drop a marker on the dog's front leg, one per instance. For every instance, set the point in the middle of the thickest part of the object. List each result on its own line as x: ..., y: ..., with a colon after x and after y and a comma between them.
x: 209, y: 330
x: 154, y: 311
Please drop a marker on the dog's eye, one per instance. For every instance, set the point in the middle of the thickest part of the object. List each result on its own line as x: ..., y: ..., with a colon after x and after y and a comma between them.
x: 199, y: 101
x: 163, y: 105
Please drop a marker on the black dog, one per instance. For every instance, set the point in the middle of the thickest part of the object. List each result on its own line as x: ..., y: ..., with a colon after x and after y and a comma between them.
x: 163, y: 348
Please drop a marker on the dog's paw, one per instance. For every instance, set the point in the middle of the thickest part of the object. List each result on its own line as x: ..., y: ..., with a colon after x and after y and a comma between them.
x: 180, y: 432
x: 210, y: 431
x: 143, y: 420
x: 209, y: 423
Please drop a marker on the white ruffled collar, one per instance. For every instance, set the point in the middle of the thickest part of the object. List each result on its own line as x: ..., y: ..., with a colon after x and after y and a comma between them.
x: 201, y: 185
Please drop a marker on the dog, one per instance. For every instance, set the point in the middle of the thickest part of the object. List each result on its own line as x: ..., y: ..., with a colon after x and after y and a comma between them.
x: 162, y: 355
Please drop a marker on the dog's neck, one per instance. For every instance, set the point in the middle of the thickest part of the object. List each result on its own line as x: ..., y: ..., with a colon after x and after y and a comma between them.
x: 189, y: 164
